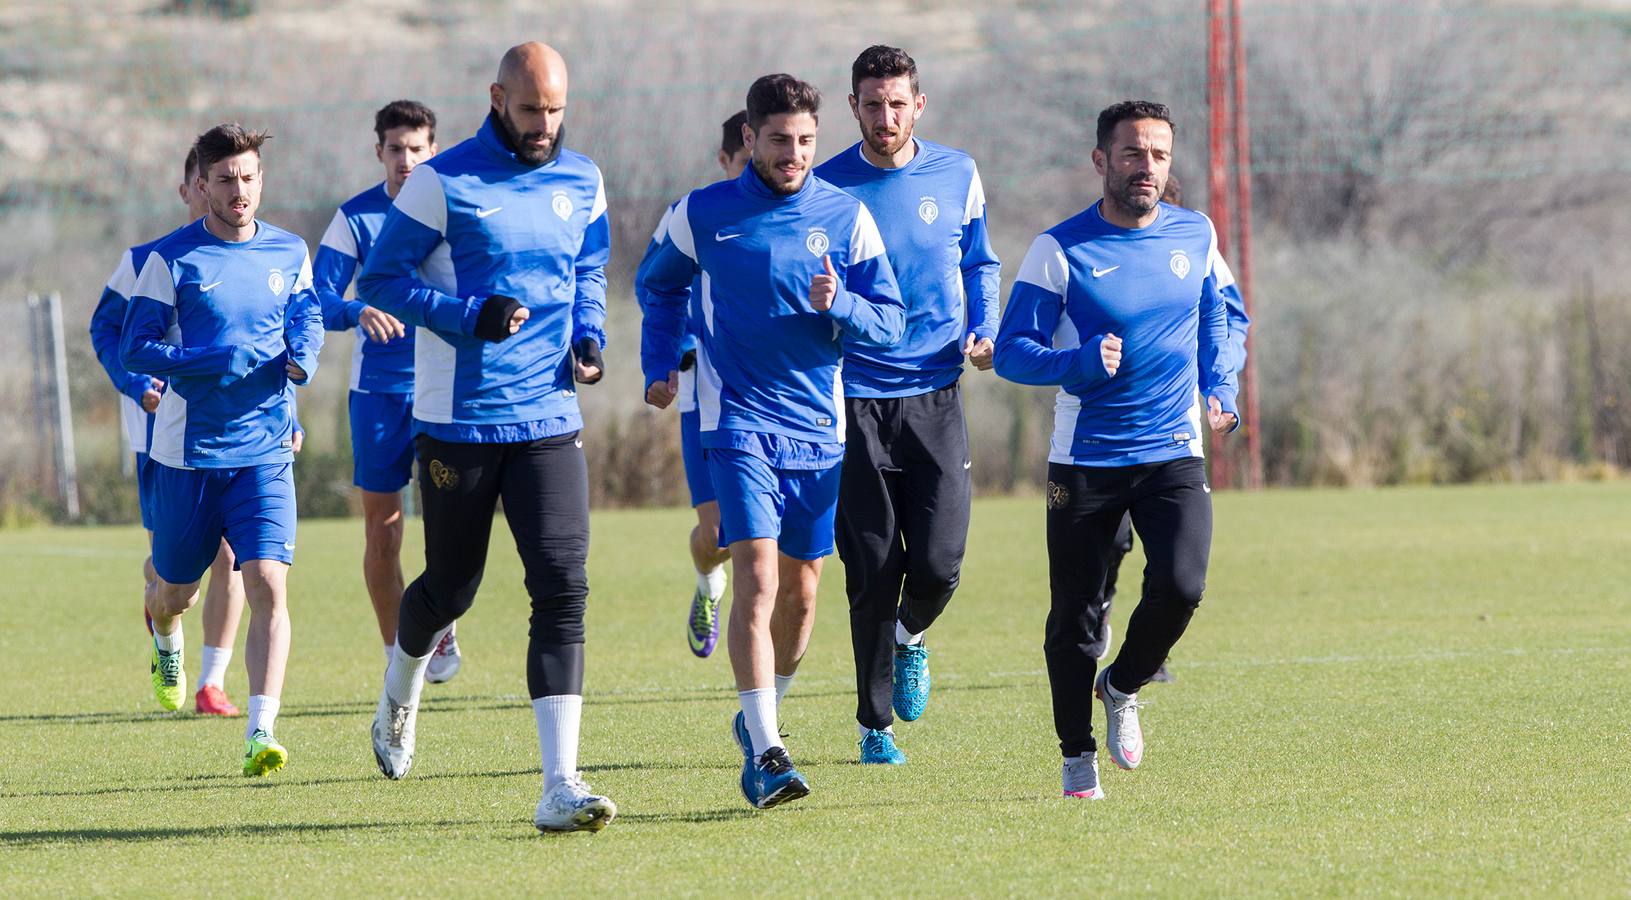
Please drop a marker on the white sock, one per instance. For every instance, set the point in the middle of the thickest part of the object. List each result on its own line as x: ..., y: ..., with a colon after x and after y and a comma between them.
x: 558, y: 719
x: 262, y: 714
x: 405, y: 676
x: 759, y: 711
x: 783, y: 682
x: 863, y: 729
x: 902, y: 636
x: 390, y: 651
x: 712, y: 582
x: 216, y: 660
x: 171, y: 642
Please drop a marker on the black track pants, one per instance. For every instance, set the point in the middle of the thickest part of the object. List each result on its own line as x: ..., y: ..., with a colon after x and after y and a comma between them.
x: 902, y: 527
x: 545, y: 488
x: 1171, y: 508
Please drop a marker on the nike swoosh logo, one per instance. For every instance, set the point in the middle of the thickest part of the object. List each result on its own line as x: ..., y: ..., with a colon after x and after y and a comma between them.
x: 722, y: 236
x: 484, y: 213
x: 969, y: 463
x: 1100, y: 273
x: 1207, y: 488
x: 209, y: 287
x: 287, y: 545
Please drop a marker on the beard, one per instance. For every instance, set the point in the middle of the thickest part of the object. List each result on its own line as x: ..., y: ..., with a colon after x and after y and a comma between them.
x: 1127, y: 196
x: 227, y: 214
x: 887, y: 146
x: 521, y: 142
x: 772, y: 177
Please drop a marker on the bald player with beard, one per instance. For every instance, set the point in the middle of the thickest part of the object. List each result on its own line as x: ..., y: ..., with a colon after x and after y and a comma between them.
x: 496, y: 251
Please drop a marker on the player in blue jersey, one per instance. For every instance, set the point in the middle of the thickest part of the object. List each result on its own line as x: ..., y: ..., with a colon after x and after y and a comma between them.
x: 224, y: 310
x: 224, y: 599
x: 903, y: 503
x: 381, y: 399
x: 702, y: 620
x: 1120, y: 306
x: 792, y: 270
x: 1238, y: 326
x: 496, y: 250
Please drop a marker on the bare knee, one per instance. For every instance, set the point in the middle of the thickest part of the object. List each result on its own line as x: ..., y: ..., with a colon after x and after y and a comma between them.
x: 173, y: 599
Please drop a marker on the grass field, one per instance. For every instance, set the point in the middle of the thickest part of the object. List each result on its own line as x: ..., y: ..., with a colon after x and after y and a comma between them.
x: 1422, y: 692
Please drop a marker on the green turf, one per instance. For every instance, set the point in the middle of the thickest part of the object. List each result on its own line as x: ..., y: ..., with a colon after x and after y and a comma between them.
x: 1421, y: 692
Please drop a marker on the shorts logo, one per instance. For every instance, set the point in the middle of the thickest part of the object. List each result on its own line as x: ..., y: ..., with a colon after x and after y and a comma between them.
x: 817, y: 242
x: 443, y: 477
x: 1058, y: 495
x: 928, y: 210
x: 274, y: 281
x: 1179, y: 264
x: 562, y: 204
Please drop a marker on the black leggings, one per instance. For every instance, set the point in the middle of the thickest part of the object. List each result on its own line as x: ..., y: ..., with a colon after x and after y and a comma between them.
x: 902, y: 527
x: 545, y: 488
x: 1171, y: 509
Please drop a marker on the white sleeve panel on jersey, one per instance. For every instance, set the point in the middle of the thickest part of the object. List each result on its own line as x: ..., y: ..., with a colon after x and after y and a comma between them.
x: 338, y: 237
x: 599, y: 207
x: 1215, y: 264
x: 662, y: 226
x: 423, y: 200
x: 123, y: 279
x: 303, y: 281
x: 156, y: 282
x: 975, y: 208
x: 865, y: 242
x: 1045, y: 265
x: 679, y: 228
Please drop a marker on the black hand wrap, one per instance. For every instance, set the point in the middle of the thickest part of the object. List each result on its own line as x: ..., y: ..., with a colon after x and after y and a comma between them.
x: 688, y: 360
x: 588, y: 353
x: 493, y: 321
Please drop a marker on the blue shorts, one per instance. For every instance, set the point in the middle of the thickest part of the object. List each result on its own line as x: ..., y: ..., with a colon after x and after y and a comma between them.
x: 696, y: 468
x: 144, y: 488
x: 253, y: 507
x: 794, y: 507
x: 381, y: 441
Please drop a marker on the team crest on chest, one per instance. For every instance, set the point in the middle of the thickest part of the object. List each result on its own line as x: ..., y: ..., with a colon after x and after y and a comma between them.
x: 817, y: 243
x: 1179, y: 263
x: 274, y: 281
x: 928, y: 210
x: 562, y: 204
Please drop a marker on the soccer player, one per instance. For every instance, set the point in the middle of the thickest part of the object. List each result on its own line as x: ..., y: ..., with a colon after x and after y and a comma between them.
x: 1238, y: 326
x: 381, y: 402
x: 224, y: 310
x: 903, y: 502
x: 793, y: 269
x: 1120, y: 306
x: 224, y: 599
x: 702, y: 621
x: 496, y: 251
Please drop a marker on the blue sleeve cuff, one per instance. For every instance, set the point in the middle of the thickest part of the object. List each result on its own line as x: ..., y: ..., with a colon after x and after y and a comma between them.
x: 843, y: 305
x: 353, y: 312
x: 1090, y: 360
x: 472, y: 309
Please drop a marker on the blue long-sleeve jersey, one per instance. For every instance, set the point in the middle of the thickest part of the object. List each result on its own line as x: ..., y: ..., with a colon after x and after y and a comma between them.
x: 475, y: 221
x: 931, y: 213
x: 767, y: 363
x: 687, y: 399
x: 107, y: 325
x: 376, y: 367
x: 1158, y: 289
x: 218, y: 320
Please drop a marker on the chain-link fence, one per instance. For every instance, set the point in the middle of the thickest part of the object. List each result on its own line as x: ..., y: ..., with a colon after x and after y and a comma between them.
x: 1441, y: 193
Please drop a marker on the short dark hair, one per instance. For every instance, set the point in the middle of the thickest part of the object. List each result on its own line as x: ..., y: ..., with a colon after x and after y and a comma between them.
x: 773, y: 95
x: 882, y: 61
x: 189, y: 169
x: 1116, y: 113
x: 730, y: 133
x: 225, y: 141
x: 400, y: 113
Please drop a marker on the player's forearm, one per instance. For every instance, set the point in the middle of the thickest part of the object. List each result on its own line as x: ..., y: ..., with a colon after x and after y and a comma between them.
x: 981, y: 285
x: 304, y: 334
x: 1026, y: 360
x: 661, y: 331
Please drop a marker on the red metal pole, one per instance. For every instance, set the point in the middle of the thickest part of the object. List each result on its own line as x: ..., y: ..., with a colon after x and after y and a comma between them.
x: 1243, y: 259
x: 1217, y: 193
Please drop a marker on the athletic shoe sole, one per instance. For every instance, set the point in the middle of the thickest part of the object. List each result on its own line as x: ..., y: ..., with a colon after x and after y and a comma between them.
x: 266, y: 762
x: 591, y: 818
